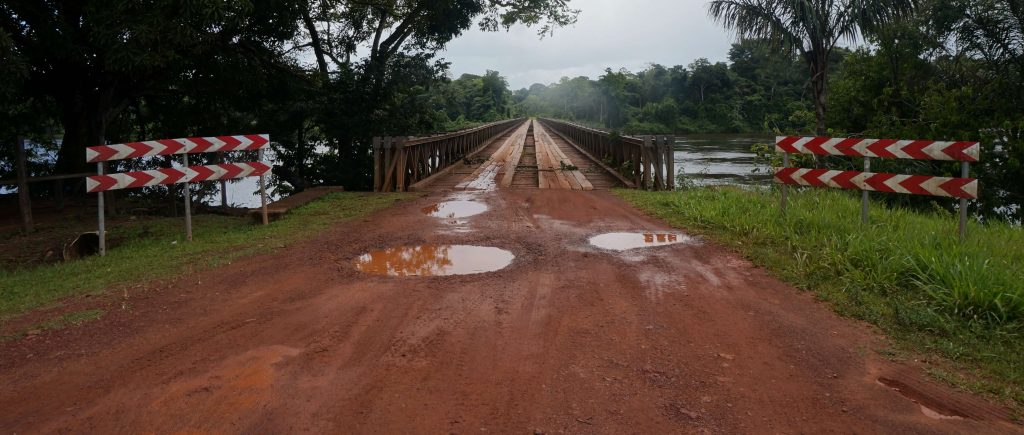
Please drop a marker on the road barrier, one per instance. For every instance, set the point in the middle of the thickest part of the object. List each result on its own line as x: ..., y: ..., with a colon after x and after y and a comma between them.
x: 646, y: 162
x: 963, y: 188
x: 186, y: 174
x: 401, y: 161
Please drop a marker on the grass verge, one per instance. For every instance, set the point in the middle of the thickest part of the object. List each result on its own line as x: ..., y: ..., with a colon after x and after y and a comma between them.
x: 905, y: 272
x: 155, y: 249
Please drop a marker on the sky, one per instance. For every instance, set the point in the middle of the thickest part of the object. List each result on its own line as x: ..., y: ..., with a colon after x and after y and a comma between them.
x: 608, y: 33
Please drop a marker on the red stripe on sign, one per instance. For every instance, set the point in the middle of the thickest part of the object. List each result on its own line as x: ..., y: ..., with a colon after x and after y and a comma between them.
x: 956, y: 151
x: 845, y: 146
x: 845, y: 179
x: 139, y: 149
x: 877, y: 182
x: 173, y: 146
x: 202, y: 144
x: 258, y: 141
x: 230, y: 142
x: 103, y: 153
x: 173, y: 175
x: 786, y: 144
x: 814, y: 145
x: 955, y: 188
x: 879, y: 148
x: 231, y: 171
x: 142, y: 178
x: 813, y: 177
x: 104, y: 182
x: 202, y: 173
x: 913, y: 184
x: 260, y: 168
x: 916, y: 149
x: 785, y: 175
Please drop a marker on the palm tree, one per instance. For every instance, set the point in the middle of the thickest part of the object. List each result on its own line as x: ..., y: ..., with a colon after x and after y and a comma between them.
x: 811, y: 27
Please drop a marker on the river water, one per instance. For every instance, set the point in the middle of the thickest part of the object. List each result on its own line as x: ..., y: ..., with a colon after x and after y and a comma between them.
x: 721, y: 159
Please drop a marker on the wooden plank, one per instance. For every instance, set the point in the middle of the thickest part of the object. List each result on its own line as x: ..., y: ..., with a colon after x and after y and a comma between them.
x: 516, y: 153
x: 602, y: 165
x: 575, y: 179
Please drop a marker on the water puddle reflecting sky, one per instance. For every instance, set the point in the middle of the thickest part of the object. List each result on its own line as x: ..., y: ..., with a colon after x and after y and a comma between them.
x: 627, y: 241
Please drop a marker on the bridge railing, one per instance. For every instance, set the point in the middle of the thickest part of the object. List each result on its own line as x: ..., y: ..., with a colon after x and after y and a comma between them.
x: 401, y: 161
x: 645, y: 162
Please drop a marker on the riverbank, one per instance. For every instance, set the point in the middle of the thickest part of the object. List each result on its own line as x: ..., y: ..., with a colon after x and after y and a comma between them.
x: 906, y: 272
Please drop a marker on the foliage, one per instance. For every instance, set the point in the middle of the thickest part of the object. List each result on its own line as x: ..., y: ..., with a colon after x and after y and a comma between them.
x: 906, y: 272
x: 810, y: 28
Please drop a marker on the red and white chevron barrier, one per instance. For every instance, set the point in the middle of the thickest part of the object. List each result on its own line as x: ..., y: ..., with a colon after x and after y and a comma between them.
x: 126, y: 180
x: 882, y: 148
x: 131, y: 150
x: 880, y: 182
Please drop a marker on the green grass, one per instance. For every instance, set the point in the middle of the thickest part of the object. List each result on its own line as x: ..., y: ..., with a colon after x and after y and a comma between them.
x: 906, y: 271
x: 152, y: 249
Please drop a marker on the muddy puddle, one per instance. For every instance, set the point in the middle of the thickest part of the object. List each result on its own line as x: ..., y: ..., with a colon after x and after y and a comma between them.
x: 627, y: 241
x: 455, y: 209
x: 434, y: 260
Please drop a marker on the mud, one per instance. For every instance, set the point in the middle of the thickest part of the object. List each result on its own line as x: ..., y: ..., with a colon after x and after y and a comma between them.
x: 685, y: 338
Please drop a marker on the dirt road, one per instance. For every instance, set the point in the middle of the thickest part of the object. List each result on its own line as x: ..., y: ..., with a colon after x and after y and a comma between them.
x: 569, y: 338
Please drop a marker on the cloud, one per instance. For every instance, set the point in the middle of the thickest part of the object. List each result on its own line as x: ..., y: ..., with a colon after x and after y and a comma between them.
x: 609, y: 34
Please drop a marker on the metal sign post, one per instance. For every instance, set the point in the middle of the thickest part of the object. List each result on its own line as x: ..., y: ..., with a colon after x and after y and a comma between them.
x: 187, y: 192
x: 785, y: 188
x: 965, y: 169
x: 103, y: 223
x: 263, y: 190
x: 864, y: 194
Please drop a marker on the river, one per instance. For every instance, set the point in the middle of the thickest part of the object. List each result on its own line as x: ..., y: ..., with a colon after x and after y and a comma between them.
x: 716, y: 159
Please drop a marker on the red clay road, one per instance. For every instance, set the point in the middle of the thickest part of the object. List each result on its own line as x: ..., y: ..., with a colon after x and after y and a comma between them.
x: 567, y: 339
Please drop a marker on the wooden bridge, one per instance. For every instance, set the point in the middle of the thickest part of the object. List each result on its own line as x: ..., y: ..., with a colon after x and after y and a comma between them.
x: 524, y: 153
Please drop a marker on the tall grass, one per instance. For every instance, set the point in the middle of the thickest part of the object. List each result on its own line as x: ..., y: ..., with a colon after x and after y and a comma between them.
x: 906, y: 271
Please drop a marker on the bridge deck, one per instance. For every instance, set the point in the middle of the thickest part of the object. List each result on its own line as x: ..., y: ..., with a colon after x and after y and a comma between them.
x: 528, y: 156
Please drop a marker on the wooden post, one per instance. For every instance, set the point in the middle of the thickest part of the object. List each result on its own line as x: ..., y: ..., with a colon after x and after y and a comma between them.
x: 645, y: 159
x: 399, y: 154
x: 671, y: 162
x: 24, y: 196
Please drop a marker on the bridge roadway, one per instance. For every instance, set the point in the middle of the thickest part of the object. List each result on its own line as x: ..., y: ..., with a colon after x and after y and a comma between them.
x: 567, y: 338
x: 527, y: 156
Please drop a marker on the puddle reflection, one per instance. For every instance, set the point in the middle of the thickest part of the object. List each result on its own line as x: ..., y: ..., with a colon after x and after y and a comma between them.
x: 627, y: 241
x: 454, y: 209
x: 434, y: 260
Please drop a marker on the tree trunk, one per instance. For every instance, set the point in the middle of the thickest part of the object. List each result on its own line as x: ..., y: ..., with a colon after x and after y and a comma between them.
x: 819, y: 89
x: 84, y: 126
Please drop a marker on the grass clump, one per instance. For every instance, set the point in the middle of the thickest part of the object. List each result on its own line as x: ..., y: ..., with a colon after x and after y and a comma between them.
x: 906, y: 271
x: 155, y: 249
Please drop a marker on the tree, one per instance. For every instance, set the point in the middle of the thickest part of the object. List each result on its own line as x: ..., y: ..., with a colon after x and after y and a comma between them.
x: 94, y: 58
x: 813, y: 28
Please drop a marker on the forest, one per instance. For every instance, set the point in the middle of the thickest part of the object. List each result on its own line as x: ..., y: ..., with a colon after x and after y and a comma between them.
x: 322, y: 78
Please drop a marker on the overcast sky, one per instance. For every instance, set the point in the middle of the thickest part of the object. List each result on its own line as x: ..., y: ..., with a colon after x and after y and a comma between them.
x: 609, y: 33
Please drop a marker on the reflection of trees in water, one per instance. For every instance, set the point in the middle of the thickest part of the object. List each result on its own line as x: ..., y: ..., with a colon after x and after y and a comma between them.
x: 661, y: 238
x: 407, y: 261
